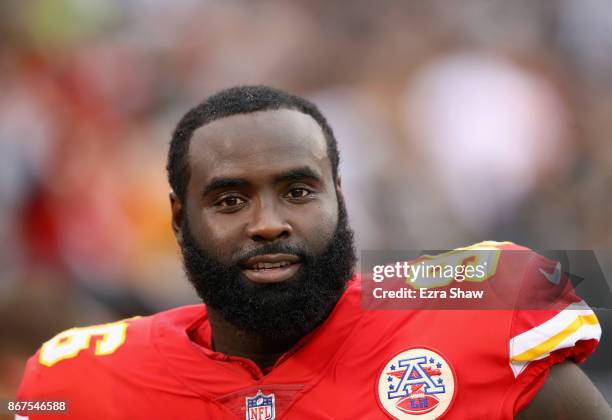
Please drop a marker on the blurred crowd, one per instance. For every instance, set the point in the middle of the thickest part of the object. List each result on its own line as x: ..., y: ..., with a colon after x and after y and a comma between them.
x: 456, y: 123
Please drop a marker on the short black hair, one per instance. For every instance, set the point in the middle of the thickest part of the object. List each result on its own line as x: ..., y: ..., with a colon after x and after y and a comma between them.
x: 232, y: 101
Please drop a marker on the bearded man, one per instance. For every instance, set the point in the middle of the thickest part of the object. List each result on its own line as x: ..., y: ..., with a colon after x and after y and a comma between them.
x: 259, y: 215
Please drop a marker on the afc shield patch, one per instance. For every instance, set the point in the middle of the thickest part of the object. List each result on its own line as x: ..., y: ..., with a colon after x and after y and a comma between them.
x: 416, y: 383
x: 260, y: 407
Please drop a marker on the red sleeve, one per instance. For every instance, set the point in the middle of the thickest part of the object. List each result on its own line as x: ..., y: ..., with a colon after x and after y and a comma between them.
x: 73, y: 366
x: 549, y: 325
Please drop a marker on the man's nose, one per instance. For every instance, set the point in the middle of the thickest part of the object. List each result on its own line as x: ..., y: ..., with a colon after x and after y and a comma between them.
x: 268, y: 225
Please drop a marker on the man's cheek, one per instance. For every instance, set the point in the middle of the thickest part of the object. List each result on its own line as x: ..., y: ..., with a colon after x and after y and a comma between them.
x: 218, y: 245
x: 218, y: 233
x: 320, y: 232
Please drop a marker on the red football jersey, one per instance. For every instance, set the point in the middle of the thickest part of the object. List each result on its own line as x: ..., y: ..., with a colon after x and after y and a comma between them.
x: 360, y: 364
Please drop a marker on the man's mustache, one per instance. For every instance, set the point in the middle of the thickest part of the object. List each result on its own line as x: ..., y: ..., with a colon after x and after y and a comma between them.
x: 273, y: 248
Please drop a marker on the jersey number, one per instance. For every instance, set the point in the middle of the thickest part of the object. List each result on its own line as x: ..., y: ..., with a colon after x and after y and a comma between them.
x: 486, y: 254
x: 69, y: 343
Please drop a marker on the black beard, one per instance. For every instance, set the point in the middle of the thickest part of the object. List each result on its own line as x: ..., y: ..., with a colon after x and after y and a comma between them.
x: 280, y: 311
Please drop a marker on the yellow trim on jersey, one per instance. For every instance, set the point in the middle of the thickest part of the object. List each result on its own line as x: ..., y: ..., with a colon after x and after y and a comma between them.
x: 550, y: 344
x: 487, y: 245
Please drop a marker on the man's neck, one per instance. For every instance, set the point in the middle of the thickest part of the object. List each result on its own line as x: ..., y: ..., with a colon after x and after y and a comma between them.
x: 229, y: 340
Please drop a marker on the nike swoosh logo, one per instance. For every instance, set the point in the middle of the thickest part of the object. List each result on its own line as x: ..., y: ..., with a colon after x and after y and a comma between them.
x: 555, y: 276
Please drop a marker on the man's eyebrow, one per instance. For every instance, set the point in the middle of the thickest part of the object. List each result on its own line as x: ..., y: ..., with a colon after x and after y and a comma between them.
x: 297, y: 173
x: 220, y: 183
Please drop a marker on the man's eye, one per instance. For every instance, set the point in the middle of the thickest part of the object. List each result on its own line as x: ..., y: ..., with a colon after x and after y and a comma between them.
x: 231, y: 201
x: 298, y: 193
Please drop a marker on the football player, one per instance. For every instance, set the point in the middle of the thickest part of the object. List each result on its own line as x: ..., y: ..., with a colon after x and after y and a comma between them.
x: 259, y: 215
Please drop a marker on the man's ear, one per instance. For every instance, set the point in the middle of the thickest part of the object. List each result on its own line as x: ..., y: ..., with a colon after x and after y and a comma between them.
x: 338, y: 187
x: 176, y: 207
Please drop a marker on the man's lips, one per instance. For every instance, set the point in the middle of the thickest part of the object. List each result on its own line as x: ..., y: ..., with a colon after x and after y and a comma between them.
x: 270, y: 268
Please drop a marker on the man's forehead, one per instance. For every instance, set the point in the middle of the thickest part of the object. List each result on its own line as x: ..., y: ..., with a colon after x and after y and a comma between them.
x: 257, y: 140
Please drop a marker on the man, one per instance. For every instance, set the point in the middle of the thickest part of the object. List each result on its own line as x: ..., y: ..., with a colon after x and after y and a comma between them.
x: 258, y: 212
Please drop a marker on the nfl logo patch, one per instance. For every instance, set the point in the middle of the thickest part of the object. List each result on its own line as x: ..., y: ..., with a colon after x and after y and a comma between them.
x: 417, y: 383
x: 260, y: 407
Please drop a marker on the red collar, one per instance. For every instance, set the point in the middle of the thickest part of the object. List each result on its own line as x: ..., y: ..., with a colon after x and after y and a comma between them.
x: 183, y: 338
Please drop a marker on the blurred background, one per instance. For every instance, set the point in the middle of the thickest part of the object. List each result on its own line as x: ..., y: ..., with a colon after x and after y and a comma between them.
x: 485, y: 120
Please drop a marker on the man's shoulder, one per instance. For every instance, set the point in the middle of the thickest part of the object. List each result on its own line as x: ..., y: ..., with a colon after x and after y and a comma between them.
x: 80, y: 355
x: 516, y: 279
x: 111, y: 341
